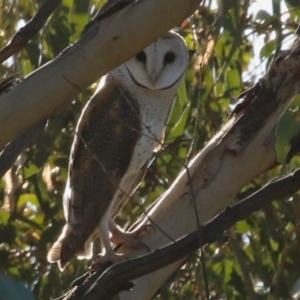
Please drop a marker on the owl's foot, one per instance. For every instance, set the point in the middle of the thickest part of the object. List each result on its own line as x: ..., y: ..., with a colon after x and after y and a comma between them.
x: 104, y: 261
x: 130, y: 239
x: 109, y: 256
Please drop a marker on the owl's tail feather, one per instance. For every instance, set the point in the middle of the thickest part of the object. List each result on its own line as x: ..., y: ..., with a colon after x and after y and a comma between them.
x: 54, y: 254
x: 67, y: 246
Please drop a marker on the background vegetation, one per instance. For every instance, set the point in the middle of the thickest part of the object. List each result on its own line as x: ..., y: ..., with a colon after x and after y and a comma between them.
x: 230, y: 45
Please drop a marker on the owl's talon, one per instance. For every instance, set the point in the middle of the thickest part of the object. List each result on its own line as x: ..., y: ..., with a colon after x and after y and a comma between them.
x: 100, y: 262
x: 128, y: 238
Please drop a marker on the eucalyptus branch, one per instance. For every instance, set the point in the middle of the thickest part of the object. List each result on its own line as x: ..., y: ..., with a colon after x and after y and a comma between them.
x: 104, y: 285
x: 27, y: 32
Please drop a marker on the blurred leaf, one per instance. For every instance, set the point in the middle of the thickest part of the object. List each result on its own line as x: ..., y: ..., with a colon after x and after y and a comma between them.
x: 180, y: 114
x: 288, y: 126
x: 268, y: 49
x: 233, y: 79
x: 28, y: 198
x: 243, y: 227
x: 293, y: 3
x: 30, y: 170
x: 4, y: 217
x: 262, y: 15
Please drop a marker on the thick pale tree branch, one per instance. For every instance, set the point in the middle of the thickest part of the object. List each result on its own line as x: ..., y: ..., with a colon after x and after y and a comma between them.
x: 44, y: 91
x: 106, y: 285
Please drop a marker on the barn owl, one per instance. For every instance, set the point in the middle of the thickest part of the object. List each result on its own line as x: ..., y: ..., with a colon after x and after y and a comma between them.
x: 118, y: 131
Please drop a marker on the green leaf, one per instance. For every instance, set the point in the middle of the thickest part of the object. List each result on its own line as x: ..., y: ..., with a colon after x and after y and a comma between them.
x: 268, y: 49
x: 4, y: 217
x: 262, y: 15
x: 287, y: 127
x: 30, y: 170
x: 233, y: 78
x: 243, y: 227
x: 180, y: 114
x: 28, y: 198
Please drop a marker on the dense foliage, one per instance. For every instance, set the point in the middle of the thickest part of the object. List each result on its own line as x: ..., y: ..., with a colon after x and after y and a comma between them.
x: 230, y: 44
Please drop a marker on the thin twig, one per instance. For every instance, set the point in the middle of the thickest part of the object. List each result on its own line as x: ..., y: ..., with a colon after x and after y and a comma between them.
x: 239, y: 254
x: 26, y: 33
x: 27, y: 138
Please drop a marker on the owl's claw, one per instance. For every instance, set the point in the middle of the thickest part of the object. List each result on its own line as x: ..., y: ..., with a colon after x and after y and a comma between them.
x: 99, y: 263
x: 103, y: 262
x: 128, y: 238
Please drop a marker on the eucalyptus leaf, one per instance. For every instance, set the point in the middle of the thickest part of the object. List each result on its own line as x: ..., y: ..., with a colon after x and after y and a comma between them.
x: 287, y: 127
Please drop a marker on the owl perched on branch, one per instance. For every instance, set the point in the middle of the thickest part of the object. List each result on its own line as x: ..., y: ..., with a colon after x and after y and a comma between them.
x: 118, y: 130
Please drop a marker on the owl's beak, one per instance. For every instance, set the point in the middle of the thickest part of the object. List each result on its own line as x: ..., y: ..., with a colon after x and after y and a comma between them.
x: 153, y: 77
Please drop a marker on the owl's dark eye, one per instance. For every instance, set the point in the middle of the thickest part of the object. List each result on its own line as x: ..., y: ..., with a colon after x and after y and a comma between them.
x: 169, y: 57
x: 141, y: 56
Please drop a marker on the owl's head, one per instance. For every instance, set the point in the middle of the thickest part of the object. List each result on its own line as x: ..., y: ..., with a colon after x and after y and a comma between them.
x: 161, y: 65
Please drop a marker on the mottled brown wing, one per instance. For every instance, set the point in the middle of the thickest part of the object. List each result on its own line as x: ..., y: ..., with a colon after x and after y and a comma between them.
x: 105, y: 139
x: 128, y: 187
